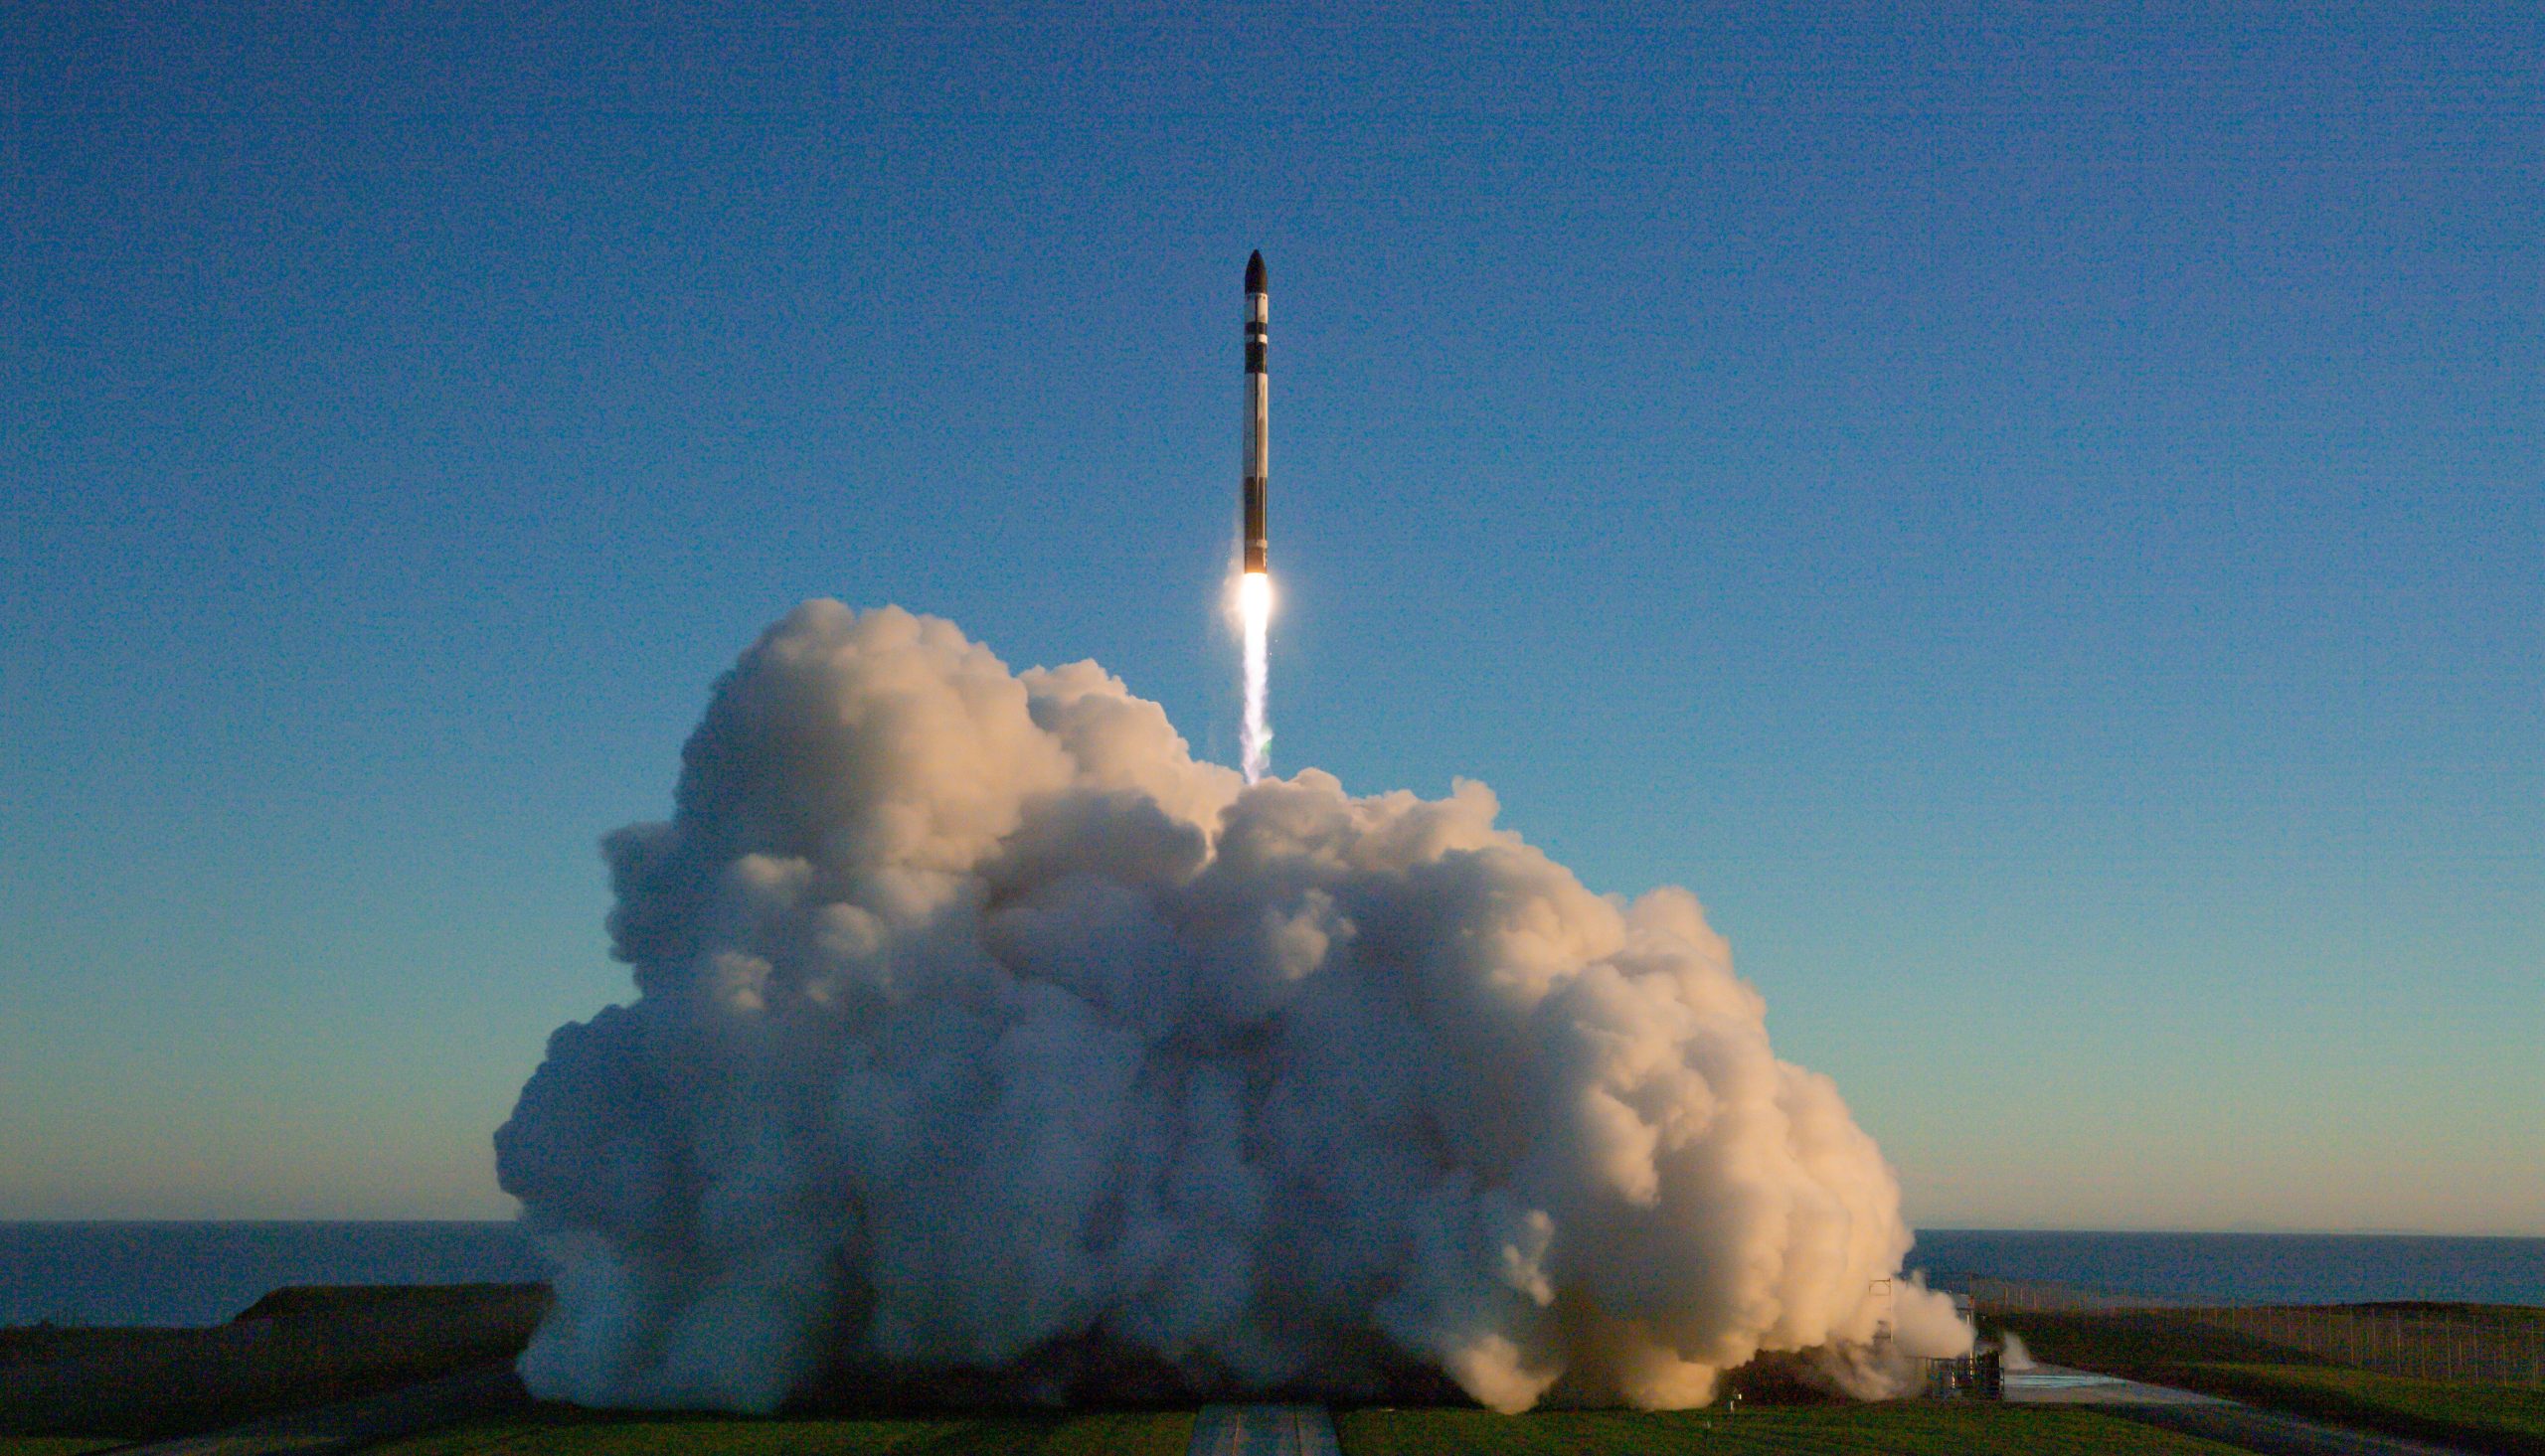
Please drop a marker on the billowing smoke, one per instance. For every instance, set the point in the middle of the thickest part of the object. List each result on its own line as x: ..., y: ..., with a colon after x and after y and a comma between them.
x: 976, y: 1020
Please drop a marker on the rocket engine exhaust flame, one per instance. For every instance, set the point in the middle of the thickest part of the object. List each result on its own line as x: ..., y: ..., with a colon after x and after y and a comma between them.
x: 1255, y: 613
x: 982, y: 1031
x: 1255, y: 588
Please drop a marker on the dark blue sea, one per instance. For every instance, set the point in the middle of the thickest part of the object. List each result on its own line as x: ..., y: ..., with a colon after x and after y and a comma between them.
x: 204, y: 1273
x: 2246, y: 1268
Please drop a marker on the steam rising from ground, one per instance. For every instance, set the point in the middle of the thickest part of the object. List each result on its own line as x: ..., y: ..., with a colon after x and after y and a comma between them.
x: 976, y: 1019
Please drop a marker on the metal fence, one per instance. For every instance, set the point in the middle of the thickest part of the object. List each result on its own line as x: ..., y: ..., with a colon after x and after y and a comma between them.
x: 2398, y: 1341
x: 2428, y: 1341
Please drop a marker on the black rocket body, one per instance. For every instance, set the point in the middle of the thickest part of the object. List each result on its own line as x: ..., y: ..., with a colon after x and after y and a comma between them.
x: 1256, y: 466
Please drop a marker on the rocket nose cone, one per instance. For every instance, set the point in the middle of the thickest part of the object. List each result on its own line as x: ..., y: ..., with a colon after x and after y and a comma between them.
x: 1255, y: 271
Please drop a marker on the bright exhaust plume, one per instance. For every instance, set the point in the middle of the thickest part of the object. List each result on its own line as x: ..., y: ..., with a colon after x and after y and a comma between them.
x: 1255, y: 617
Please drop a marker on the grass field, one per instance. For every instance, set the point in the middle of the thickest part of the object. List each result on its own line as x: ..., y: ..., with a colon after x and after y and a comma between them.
x: 67, y: 1392
x: 2515, y: 1315
x: 1910, y: 1429
x: 2505, y: 1419
x: 292, y: 1350
x: 1906, y: 1428
x: 559, y: 1434
x: 2508, y: 1419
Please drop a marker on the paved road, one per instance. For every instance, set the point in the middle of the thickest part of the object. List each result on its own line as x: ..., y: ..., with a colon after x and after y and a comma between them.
x: 333, y: 1429
x: 1263, y: 1430
x: 2206, y: 1416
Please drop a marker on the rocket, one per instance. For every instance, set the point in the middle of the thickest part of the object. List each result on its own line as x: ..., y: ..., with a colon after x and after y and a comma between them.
x: 1258, y: 466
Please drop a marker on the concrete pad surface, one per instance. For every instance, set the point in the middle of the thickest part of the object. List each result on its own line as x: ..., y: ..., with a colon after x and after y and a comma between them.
x: 1263, y: 1431
x: 2057, y: 1385
x: 2190, y: 1413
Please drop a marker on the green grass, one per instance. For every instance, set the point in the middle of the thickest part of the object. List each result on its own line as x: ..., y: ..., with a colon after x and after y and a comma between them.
x: 2144, y: 1345
x: 303, y: 1349
x: 556, y: 1431
x: 1901, y: 1429
x: 1906, y: 1428
x: 2505, y: 1419
x: 2514, y: 1315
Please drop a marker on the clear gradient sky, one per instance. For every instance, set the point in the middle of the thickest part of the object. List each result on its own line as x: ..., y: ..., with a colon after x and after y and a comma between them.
x: 2036, y: 514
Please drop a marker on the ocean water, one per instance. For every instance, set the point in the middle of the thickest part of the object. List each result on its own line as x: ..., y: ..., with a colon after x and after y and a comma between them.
x: 2247, y: 1268
x: 204, y: 1273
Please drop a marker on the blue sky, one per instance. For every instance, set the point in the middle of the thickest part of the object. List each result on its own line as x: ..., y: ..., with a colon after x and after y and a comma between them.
x: 2033, y: 513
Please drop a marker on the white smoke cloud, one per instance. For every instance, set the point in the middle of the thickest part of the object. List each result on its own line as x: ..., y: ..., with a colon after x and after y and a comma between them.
x: 975, y: 1016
